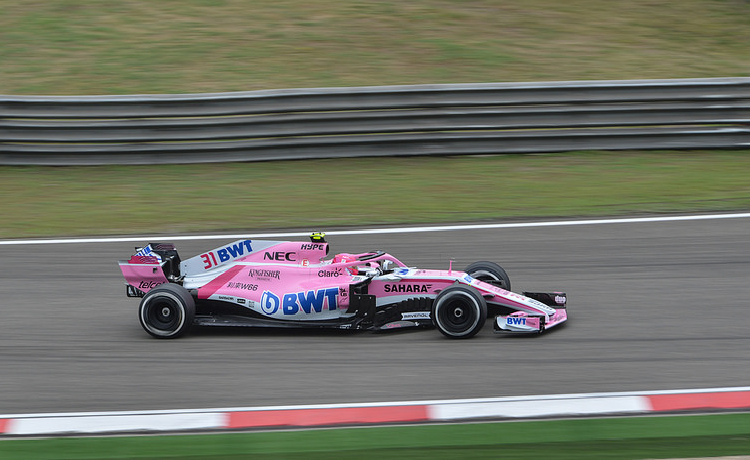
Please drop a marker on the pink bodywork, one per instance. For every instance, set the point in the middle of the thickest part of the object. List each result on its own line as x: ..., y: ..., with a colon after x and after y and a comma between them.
x: 143, y: 272
x: 294, y: 281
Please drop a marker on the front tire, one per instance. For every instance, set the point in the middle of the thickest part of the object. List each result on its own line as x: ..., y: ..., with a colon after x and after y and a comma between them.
x: 489, y: 272
x: 459, y: 312
x: 167, y: 311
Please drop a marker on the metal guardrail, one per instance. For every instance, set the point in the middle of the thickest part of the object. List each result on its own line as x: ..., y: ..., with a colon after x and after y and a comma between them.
x: 376, y: 121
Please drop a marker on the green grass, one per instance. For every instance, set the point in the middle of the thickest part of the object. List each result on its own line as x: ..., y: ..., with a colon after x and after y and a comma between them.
x: 108, y: 200
x: 79, y: 47
x: 617, y: 438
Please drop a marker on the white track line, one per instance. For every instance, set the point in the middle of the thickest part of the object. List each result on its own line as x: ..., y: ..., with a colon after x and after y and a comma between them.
x: 514, y: 407
x: 427, y: 402
x: 380, y: 231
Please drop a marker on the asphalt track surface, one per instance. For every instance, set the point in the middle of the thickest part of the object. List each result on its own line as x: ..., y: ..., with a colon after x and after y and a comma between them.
x: 660, y: 305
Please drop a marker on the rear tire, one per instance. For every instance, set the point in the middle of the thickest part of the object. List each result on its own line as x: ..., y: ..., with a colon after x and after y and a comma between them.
x: 167, y: 311
x: 459, y: 312
x: 489, y: 272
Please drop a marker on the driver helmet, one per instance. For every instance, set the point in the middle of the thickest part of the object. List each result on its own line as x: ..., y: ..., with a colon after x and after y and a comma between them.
x: 343, y: 258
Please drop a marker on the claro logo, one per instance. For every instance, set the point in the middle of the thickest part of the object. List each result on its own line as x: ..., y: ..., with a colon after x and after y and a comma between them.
x: 329, y: 273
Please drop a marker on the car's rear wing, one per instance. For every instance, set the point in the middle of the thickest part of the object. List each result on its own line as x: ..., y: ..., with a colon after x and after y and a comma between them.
x: 150, y: 266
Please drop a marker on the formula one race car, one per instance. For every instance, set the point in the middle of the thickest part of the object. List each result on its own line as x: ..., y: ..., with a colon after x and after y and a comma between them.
x: 289, y: 284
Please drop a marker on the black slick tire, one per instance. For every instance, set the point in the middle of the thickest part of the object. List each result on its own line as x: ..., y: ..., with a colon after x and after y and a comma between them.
x: 489, y: 272
x: 459, y: 312
x: 167, y: 311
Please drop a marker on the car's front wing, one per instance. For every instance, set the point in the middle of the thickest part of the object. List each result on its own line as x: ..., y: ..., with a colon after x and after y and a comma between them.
x: 522, y: 322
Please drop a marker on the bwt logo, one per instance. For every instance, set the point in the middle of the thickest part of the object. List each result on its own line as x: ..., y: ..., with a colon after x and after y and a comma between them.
x: 234, y: 250
x: 307, y: 301
x: 225, y: 254
x: 515, y: 320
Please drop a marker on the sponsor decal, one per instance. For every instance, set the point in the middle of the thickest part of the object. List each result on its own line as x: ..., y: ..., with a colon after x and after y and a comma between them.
x: 561, y: 299
x: 149, y: 252
x: 398, y: 287
x: 245, y: 286
x: 415, y: 315
x: 148, y: 284
x: 269, y: 303
x: 229, y: 252
x: 280, y: 256
x: 312, y: 247
x: 329, y: 273
x: 264, y: 274
x: 515, y: 321
x: 306, y: 301
x: 468, y: 279
x: 305, y: 262
x: 237, y: 300
x: 403, y: 271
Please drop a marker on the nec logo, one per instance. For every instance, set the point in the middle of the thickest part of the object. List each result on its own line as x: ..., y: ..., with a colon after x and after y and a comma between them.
x: 280, y: 256
x: 514, y: 320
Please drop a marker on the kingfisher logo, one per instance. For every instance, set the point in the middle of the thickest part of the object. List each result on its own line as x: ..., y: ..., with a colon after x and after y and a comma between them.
x: 264, y: 274
x: 306, y: 301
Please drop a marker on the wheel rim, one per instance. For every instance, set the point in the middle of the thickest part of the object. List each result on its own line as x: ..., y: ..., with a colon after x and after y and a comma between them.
x: 162, y: 314
x: 458, y: 314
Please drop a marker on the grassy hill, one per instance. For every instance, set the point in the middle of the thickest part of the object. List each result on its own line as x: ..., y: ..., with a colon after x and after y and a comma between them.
x: 82, y: 47
x: 78, y: 47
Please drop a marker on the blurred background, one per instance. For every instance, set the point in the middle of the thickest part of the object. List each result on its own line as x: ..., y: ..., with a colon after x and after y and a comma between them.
x: 81, y: 47
x: 70, y: 339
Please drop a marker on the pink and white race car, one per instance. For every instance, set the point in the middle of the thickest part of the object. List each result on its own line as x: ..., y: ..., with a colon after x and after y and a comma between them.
x: 293, y: 284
